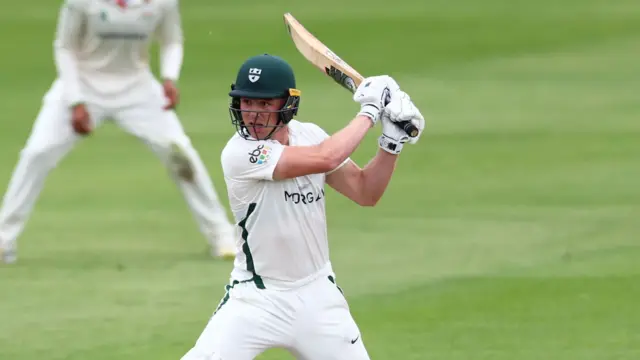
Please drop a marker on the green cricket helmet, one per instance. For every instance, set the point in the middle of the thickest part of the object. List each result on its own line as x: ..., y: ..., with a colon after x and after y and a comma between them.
x: 264, y: 77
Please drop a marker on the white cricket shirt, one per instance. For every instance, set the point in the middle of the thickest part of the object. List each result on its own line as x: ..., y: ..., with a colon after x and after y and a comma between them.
x: 102, y: 48
x: 282, y: 224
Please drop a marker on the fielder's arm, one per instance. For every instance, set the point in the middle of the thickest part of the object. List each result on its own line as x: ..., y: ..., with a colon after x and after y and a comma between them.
x: 171, y: 39
x: 67, y: 39
x: 304, y: 160
x: 364, y: 186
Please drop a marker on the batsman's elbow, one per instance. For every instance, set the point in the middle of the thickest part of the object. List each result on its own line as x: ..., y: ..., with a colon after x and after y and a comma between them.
x: 298, y: 161
x: 322, y: 163
x: 328, y: 161
x: 332, y: 163
x: 368, y: 201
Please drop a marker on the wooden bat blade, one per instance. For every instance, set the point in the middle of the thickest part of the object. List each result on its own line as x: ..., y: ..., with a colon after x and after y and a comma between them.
x: 330, y: 63
x: 321, y: 56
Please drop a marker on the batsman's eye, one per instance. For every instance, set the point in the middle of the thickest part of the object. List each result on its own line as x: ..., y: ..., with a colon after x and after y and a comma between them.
x: 256, y: 103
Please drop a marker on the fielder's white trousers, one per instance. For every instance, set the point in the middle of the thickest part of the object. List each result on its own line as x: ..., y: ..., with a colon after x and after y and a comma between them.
x: 312, y: 322
x: 52, y: 137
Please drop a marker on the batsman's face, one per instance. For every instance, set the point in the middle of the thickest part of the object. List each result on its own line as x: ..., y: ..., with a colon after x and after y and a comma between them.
x: 260, y: 115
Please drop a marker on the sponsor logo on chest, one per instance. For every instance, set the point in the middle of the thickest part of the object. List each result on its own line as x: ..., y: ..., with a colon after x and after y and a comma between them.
x: 126, y: 20
x: 305, y: 190
x: 301, y: 197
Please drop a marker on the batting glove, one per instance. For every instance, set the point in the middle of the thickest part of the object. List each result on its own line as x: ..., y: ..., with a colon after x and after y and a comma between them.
x: 372, y: 94
x: 401, y: 108
x: 393, y: 138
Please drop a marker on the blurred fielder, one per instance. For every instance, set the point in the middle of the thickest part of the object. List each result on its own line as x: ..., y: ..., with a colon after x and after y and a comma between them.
x: 101, y: 54
x: 283, y: 292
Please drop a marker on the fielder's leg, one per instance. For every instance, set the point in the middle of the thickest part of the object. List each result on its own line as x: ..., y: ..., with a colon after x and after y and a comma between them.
x: 51, y: 138
x: 329, y: 332
x: 162, y: 131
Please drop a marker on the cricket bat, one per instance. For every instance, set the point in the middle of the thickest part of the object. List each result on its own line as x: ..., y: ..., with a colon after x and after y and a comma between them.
x: 329, y: 63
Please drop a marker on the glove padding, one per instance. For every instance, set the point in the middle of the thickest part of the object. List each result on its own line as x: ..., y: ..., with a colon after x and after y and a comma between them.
x: 401, y: 108
x: 373, y: 93
x: 393, y: 138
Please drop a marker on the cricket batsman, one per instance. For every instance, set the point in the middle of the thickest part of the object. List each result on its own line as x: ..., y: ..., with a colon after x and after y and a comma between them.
x: 102, y: 59
x: 283, y: 292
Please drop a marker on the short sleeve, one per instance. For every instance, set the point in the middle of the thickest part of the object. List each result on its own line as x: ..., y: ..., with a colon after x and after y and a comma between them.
x: 251, y: 160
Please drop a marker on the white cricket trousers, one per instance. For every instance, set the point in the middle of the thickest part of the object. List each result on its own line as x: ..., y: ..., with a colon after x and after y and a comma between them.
x: 52, y: 137
x: 312, y: 322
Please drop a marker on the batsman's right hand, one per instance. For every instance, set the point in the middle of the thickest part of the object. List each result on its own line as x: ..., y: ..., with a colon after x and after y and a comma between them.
x: 372, y: 95
x: 401, y: 108
x: 80, y: 119
x: 392, y: 138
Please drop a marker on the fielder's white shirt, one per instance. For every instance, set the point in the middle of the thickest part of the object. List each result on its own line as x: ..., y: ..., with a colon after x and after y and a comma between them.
x: 282, y: 224
x: 102, y: 48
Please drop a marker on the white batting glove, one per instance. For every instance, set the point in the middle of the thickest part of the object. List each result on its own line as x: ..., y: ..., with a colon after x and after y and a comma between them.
x: 393, y: 138
x: 401, y: 108
x: 372, y: 95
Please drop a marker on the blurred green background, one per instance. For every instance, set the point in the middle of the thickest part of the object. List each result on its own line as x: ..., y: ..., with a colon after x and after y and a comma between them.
x: 509, y: 232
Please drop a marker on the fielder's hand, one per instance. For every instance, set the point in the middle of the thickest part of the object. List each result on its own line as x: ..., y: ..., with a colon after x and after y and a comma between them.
x: 80, y: 119
x: 372, y: 95
x: 172, y: 94
x: 401, y: 108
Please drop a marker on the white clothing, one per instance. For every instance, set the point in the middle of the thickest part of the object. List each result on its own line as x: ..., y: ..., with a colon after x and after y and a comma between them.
x: 52, y: 137
x: 282, y: 224
x: 102, y: 49
x: 283, y: 291
x: 102, y: 60
x: 312, y: 322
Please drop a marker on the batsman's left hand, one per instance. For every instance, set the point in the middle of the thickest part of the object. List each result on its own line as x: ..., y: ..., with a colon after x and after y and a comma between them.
x: 401, y: 108
x: 172, y: 94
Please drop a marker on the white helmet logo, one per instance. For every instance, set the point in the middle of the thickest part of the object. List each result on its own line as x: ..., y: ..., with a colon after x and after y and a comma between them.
x: 254, y: 74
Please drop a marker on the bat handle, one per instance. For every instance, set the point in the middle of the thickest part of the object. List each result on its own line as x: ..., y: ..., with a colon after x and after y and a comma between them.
x: 407, y: 126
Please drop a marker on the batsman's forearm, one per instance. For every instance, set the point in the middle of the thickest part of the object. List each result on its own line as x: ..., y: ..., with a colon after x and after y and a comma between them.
x: 339, y: 146
x: 376, y: 176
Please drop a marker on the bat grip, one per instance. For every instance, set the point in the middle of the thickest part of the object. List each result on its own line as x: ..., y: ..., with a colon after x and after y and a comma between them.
x: 407, y: 126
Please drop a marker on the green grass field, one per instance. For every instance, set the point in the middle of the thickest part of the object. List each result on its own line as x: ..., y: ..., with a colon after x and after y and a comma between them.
x: 510, y: 232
